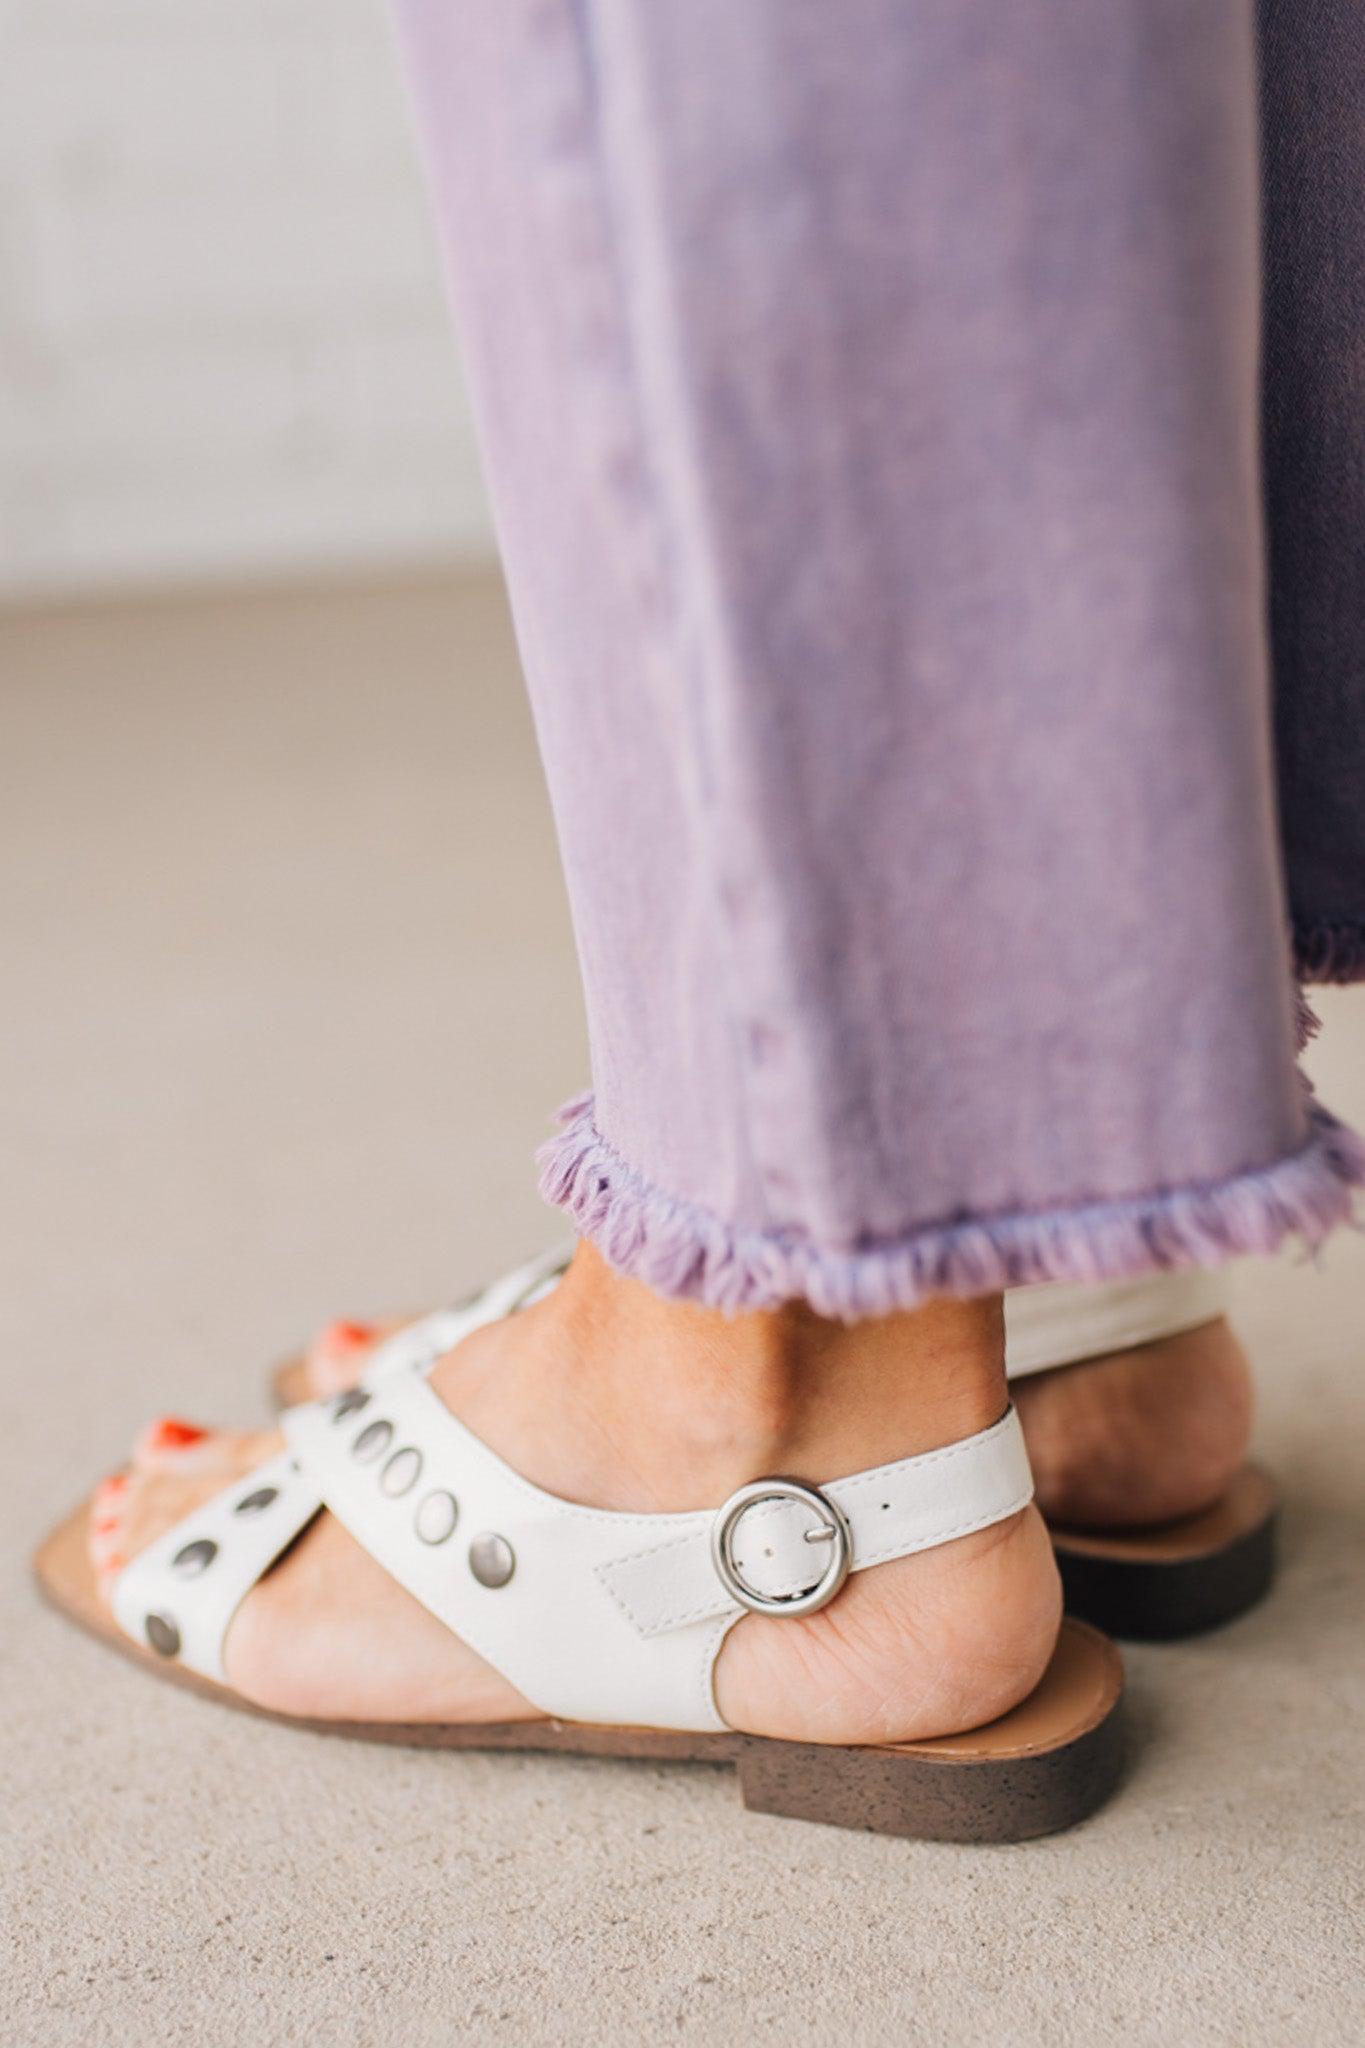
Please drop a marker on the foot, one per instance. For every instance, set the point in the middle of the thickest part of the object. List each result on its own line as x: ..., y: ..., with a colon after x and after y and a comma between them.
x: 340, y: 1351
x: 1142, y: 1436
x: 1135, y: 1437
x: 611, y: 1397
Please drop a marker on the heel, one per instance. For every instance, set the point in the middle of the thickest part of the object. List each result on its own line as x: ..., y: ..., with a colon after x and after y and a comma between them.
x: 1044, y: 1766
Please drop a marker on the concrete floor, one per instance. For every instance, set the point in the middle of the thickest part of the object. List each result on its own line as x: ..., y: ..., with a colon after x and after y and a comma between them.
x: 291, y: 992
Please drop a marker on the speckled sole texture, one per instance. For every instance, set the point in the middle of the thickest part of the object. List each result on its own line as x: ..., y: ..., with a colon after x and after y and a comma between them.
x: 1044, y: 1766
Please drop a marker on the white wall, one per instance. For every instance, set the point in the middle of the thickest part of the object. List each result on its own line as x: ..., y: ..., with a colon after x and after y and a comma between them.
x: 223, y: 348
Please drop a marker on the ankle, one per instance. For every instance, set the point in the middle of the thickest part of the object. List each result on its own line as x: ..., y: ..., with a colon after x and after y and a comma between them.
x: 701, y: 1402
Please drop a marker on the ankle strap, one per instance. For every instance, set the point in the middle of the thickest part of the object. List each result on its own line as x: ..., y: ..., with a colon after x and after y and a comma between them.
x: 783, y: 1548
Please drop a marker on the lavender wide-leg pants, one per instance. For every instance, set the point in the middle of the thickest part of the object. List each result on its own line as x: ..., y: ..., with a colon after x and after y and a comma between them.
x: 871, y: 401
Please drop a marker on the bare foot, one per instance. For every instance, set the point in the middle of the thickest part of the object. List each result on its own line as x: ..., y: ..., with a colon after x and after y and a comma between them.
x: 608, y: 1396
x: 1139, y: 1436
x: 338, y: 1353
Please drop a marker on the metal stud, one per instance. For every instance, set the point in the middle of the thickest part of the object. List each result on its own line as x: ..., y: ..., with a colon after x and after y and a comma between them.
x: 372, y: 1442
x: 349, y: 1403
x: 252, y: 1503
x: 194, y: 1557
x: 492, y: 1559
x: 163, y: 1635
x: 401, y: 1473
x: 436, y: 1516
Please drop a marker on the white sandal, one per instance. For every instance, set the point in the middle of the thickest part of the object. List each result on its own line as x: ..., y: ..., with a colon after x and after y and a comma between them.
x: 611, y: 1623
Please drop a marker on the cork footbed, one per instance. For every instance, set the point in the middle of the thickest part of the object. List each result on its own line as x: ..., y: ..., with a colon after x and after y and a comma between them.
x: 1182, y: 1579
x: 1043, y: 1766
x: 1251, y: 1500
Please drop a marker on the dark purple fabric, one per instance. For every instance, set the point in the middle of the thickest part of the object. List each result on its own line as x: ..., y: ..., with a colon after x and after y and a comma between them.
x: 1313, y: 157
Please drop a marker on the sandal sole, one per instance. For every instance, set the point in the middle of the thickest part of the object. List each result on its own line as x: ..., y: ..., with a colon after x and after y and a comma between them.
x: 1044, y: 1766
x: 1183, y: 1579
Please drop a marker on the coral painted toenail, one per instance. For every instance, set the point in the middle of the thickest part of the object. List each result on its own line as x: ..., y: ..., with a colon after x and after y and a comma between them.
x: 346, y: 1336
x: 169, y: 1433
x: 167, y: 1437
x: 102, y: 1545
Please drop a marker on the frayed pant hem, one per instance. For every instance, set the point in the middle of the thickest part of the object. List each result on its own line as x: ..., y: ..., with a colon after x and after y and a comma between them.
x: 686, y: 1253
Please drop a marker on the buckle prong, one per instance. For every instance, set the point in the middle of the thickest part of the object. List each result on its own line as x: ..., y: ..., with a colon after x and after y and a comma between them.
x: 832, y: 1529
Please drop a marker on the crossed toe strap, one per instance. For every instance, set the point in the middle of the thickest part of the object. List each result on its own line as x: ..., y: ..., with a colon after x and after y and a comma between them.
x: 179, y: 1594
x: 246, y: 1528
x: 592, y: 1615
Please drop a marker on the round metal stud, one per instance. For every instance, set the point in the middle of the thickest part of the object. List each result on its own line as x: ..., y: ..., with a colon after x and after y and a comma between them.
x: 436, y: 1516
x: 253, y: 1503
x: 492, y: 1559
x: 372, y: 1442
x: 401, y: 1473
x: 194, y: 1557
x: 831, y: 1529
x: 349, y: 1403
x: 163, y: 1635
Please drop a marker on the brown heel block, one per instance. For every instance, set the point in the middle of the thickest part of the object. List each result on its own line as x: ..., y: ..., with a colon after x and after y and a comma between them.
x: 911, y: 1792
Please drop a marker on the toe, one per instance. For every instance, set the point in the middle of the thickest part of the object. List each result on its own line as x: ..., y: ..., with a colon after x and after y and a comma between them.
x: 108, y: 1506
x: 338, y: 1354
x: 180, y: 1448
x: 168, y: 1443
x: 132, y: 1508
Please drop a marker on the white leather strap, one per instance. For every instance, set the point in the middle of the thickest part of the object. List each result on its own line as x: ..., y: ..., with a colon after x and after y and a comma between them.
x: 552, y: 1628
x: 1062, y: 1322
x: 605, y: 1616
x: 179, y: 1594
x: 893, y: 1511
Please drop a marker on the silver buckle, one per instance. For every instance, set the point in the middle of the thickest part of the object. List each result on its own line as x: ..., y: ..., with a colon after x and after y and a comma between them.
x: 833, y: 1530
